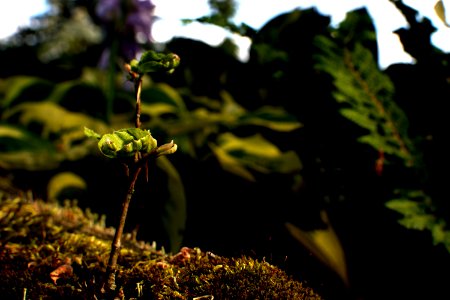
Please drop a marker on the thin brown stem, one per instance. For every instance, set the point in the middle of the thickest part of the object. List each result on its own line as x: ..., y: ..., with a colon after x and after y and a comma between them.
x: 138, y: 88
x: 116, y: 244
x: 136, y: 167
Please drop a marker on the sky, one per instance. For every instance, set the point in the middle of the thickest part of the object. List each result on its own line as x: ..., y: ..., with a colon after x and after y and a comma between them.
x: 256, y: 13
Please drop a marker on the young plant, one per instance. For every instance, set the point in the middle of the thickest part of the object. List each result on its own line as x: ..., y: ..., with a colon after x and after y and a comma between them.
x: 134, y: 147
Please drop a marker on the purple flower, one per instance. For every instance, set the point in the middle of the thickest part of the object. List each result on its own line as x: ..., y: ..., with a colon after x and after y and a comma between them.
x: 108, y: 10
x: 141, y: 20
x: 127, y: 21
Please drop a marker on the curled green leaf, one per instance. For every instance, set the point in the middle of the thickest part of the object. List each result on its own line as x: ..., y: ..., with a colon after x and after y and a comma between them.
x: 124, y: 142
x: 91, y: 133
x: 152, y: 61
x: 167, y: 149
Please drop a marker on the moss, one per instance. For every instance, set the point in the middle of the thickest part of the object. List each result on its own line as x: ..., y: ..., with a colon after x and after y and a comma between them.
x: 49, y: 251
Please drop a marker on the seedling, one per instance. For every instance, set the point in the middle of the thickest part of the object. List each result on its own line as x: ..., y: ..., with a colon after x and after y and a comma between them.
x: 134, y: 147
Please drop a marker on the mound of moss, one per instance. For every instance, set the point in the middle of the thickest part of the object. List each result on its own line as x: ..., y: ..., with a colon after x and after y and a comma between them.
x: 53, y: 251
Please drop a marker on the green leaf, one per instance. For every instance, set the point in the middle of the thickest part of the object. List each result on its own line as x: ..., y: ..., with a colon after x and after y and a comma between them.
x: 63, y: 181
x: 238, y: 154
x: 91, y: 133
x: 324, y: 244
x: 163, y: 93
x: 152, y: 61
x: 275, y: 118
x: 20, y: 149
x: 381, y: 143
x: 255, y: 144
x: 54, y: 119
x: 418, y: 222
x: 25, y: 89
x: 126, y: 142
x: 359, y: 118
x: 63, y: 128
x: 439, y: 234
x: 230, y: 164
x: 367, y: 92
x: 404, y: 206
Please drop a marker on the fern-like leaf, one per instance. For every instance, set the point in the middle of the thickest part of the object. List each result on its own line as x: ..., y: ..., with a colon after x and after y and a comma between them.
x: 367, y: 96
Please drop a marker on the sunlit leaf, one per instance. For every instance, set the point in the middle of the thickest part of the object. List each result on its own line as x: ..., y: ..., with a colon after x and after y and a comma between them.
x: 440, y: 12
x: 360, y: 119
x: 163, y: 93
x: 275, y: 118
x: 404, y: 206
x: 418, y: 222
x: 65, y: 129
x: 157, y: 110
x: 323, y: 244
x: 25, y: 89
x: 230, y: 107
x: 20, y: 149
x: 62, y: 181
x: 256, y: 145
x: 380, y: 143
x: 231, y: 164
x: 126, y: 142
x: 238, y: 154
x: 53, y: 118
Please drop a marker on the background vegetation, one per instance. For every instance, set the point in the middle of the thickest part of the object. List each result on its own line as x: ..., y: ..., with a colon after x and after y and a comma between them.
x: 307, y: 155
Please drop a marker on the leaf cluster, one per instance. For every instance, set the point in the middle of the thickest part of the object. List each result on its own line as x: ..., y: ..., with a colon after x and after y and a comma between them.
x: 368, y: 99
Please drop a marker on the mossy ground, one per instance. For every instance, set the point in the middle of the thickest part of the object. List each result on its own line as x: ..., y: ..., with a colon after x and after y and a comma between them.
x: 53, y: 251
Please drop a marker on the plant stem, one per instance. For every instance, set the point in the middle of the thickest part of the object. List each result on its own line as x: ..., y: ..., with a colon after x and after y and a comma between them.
x: 116, y: 244
x: 138, y: 89
x: 136, y: 166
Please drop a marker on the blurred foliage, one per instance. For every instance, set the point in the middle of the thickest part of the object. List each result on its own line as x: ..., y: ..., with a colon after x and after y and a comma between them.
x: 222, y: 12
x: 308, y: 145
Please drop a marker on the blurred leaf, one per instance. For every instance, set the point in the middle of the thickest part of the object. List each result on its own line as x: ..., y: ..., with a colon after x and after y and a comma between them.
x: 62, y: 127
x: 20, y: 149
x: 440, y: 235
x: 275, y: 118
x: 230, y: 107
x: 323, y: 244
x: 415, y: 215
x: 267, y: 53
x: 256, y: 145
x: 24, y: 89
x: 61, y: 90
x: 174, y: 217
x: 63, y: 181
x: 404, y: 206
x: 161, y: 103
x: 418, y: 213
x: 162, y: 92
x: 230, y: 164
x: 237, y: 154
x: 361, y: 119
x: 368, y: 95
x: 440, y: 12
x: 418, y: 222
x: 156, y: 111
x: 53, y: 118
